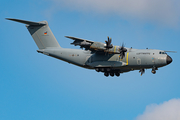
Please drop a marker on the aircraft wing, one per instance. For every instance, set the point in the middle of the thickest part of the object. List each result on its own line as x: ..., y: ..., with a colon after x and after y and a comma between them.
x: 83, y: 43
x: 97, y: 47
x: 78, y: 40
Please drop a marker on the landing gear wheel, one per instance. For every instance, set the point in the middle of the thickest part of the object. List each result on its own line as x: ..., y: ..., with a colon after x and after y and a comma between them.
x: 153, y: 71
x: 142, y: 71
x: 97, y: 69
x: 106, y: 74
x: 117, y: 74
x: 102, y: 70
x: 111, y: 74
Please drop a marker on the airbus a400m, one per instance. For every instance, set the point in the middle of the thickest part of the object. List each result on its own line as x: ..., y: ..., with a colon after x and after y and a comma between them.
x: 102, y: 57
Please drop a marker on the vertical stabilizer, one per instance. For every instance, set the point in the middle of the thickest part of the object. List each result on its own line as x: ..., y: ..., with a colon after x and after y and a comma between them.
x: 41, y: 33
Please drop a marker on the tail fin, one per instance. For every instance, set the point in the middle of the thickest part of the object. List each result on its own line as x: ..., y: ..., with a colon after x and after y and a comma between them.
x: 40, y: 32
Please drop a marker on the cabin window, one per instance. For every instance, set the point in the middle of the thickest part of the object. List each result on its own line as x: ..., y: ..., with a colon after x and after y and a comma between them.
x: 162, y: 53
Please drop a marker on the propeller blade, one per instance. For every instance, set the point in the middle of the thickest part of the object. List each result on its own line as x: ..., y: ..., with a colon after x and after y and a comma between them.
x: 122, y: 51
x: 122, y: 45
x: 108, y: 43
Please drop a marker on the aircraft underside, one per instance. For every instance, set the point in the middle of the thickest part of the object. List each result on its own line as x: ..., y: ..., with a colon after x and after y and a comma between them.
x: 117, y: 71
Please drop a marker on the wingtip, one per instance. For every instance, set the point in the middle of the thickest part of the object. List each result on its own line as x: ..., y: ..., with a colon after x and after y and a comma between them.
x: 8, y: 18
x: 68, y: 36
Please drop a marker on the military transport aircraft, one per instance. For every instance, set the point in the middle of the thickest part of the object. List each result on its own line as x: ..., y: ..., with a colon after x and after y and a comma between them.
x: 103, y: 57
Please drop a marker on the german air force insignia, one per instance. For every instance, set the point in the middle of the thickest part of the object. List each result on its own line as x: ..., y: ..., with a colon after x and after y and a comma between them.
x: 45, y: 33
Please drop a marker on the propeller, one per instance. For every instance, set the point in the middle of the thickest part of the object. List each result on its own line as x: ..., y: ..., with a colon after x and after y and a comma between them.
x: 122, y: 51
x: 108, y: 43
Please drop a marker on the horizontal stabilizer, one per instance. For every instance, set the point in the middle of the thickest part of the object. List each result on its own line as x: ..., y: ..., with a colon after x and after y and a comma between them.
x: 26, y: 22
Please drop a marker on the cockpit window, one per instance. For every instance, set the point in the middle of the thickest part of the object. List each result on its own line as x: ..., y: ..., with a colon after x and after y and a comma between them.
x: 162, y: 52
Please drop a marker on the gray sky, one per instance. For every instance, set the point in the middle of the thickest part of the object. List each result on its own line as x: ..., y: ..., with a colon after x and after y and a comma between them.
x: 158, y: 11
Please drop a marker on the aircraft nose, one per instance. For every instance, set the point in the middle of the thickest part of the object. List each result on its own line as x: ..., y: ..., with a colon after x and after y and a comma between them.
x: 168, y: 59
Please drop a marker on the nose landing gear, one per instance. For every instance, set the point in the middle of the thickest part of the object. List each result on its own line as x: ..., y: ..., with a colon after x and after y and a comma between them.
x: 154, y: 70
x: 142, y: 71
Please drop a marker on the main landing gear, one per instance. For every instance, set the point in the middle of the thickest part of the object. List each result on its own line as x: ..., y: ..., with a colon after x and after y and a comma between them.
x: 106, y: 74
x: 108, y: 71
x: 111, y: 74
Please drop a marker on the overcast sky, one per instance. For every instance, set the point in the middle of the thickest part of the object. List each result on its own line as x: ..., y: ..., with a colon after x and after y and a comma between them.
x: 35, y: 86
x: 157, y: 11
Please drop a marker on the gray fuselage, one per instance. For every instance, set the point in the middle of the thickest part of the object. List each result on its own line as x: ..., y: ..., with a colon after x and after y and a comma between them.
x: 105, y: 58
x: 134, y: 59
